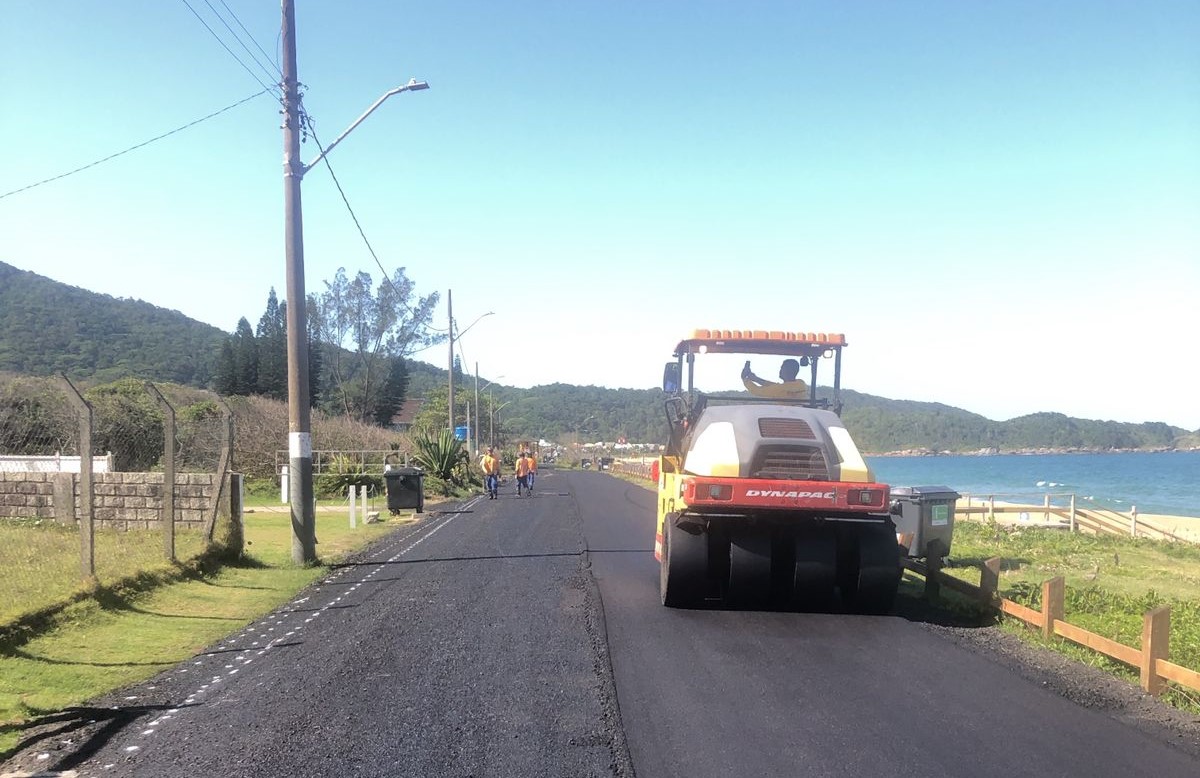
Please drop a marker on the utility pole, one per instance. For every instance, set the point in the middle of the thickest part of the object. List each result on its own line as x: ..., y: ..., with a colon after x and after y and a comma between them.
x: 300, y: 475
x: 450, y: 316
x: 475, y: 453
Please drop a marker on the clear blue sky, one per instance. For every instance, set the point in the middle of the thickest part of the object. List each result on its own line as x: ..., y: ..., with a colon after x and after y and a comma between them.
x: 997, y: 202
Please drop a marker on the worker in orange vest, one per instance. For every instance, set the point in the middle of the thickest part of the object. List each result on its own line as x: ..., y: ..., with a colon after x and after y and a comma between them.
x: 490, y: 464
x: 532, y: 470
x: 522, y: 473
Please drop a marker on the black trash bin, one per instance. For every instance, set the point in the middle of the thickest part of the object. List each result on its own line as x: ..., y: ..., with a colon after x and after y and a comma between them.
x: 924, y: 518
x: 405, y: 489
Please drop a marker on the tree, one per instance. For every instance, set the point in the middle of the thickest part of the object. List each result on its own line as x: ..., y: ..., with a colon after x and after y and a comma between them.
x: 315, y: 362
x: 271, y: 338
x: 245, y: 359
x: 392, y: 395
x: 361, y: 329
x: 226, y: 382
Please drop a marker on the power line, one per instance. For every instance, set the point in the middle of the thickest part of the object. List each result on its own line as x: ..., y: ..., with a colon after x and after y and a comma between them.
x: 138, y: 146
x: 226, y: 47
x: 253, y: 40
x: 277, y: 77
x: 307, y: 122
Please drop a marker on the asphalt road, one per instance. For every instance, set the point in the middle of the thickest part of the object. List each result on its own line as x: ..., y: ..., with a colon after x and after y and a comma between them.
x: 524, y: 637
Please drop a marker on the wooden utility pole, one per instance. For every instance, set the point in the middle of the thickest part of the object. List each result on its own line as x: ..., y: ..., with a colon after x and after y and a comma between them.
x: 300, y: 471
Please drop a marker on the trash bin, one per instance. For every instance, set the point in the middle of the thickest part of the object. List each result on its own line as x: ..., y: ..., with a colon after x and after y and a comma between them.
x: 924, y: 517
x: 405, y: 489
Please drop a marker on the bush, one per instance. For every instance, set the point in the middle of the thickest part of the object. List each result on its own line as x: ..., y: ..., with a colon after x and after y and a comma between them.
x: 442, y: 456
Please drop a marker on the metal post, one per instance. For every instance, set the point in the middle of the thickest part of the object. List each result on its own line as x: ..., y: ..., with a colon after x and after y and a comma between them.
x: 87, y: 515
x: 450, y: 365
x: 167, y: 512
x: 300, y: 480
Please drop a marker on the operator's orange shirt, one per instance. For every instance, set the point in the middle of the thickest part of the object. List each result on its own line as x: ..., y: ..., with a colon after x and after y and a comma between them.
x: 532, y: 460
x: 490, y: 465
x: 522, y: 467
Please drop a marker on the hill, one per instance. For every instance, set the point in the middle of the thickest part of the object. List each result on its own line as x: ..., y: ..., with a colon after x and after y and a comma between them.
x: 50, y: 327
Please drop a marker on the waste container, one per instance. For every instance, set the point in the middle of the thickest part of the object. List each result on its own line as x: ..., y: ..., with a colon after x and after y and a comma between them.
x: 405, y: 489
x: 924, y: 517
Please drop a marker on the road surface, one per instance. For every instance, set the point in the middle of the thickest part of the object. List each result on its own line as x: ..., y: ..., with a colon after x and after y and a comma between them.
x: 524, y: 637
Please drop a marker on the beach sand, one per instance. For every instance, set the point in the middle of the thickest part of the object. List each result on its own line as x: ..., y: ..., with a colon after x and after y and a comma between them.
x: 1183, y: 527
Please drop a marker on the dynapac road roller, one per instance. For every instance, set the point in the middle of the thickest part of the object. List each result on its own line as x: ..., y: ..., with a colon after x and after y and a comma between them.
x: 763, y: 498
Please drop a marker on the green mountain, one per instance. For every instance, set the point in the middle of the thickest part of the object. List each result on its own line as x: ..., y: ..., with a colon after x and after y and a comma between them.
x: 50, y: 327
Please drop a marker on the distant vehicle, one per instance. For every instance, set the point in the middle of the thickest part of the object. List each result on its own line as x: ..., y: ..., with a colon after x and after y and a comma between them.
x: 585, y: 463
x: 606, y: 462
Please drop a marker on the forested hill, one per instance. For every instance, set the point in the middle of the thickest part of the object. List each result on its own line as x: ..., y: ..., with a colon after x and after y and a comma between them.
x: 881, y: 425
x: 50, y: 327
x: 878, y: 424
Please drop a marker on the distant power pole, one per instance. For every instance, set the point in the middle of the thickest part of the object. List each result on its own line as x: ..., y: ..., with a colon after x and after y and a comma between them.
x: 450, y: 314
x: 300, y: 471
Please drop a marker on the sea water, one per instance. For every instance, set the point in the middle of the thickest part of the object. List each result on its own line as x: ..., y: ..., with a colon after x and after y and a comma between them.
x: 1155, y: 482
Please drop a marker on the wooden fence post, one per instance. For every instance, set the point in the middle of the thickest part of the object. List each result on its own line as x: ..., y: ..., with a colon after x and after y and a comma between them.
x: 1156, y: 637
x: 1073, y: 527
x: 989, y: 580
x: 1054, y: 593
x: 933, y: 569
x: 1046, y: 505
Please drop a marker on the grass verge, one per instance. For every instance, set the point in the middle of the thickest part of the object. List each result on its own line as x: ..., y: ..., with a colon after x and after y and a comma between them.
x: 1111, y: 583
x: 129, y: 632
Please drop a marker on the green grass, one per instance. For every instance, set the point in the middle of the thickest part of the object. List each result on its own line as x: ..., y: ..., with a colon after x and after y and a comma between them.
x: 40, y: 561
x: 1111, y: 583
x: 126, y: 634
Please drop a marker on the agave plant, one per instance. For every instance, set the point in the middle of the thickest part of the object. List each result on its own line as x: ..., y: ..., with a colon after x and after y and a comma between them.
x: 440, y: 454
x: 345, y: 472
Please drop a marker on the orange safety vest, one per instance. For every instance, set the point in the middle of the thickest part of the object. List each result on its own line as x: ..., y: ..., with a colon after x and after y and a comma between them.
x: 522, y: 467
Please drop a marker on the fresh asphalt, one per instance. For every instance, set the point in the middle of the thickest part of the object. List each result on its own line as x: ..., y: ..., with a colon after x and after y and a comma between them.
x: 524, y: 637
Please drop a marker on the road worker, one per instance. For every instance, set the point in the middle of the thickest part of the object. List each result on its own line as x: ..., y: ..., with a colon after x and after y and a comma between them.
x: 490, y: 464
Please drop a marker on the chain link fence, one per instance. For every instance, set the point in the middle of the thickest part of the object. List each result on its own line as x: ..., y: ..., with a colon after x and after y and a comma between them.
x: 101, y: 485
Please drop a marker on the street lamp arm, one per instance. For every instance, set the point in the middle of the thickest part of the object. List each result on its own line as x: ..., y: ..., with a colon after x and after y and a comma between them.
x: 459, y: 333
x: 413, y: 85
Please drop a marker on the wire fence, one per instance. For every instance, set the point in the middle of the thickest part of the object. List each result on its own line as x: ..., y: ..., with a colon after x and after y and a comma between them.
x: 99, y: 486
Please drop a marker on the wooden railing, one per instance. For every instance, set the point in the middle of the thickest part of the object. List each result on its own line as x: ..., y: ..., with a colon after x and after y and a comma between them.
x: 1151, y: 659
x: 1095, y: 519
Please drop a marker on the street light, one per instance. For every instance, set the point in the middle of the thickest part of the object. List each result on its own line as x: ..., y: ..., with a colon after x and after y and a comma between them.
x: 485, y: 386
x: 495, y: 412
x: 450, y: 366
x: 300, y: 477
x: 413, y: 85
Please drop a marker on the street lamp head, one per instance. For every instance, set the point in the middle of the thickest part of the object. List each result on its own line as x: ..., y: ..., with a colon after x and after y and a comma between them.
x: 414, y: 85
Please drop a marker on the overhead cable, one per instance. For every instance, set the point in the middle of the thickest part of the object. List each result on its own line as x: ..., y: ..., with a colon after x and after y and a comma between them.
x: 138, y: 146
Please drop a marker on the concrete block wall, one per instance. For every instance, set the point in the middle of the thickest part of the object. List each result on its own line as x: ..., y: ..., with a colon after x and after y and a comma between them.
x: 120, y: 500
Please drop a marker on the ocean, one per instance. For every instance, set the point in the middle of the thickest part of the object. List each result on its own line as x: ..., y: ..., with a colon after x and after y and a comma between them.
x: 1156, y: 482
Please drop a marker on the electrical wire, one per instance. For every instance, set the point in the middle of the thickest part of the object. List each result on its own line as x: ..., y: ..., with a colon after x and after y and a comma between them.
x: 231, y: 52
x: 277, y: 77
x: 254, y: 40
x: 138, y: 146
x: 307, y: 123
